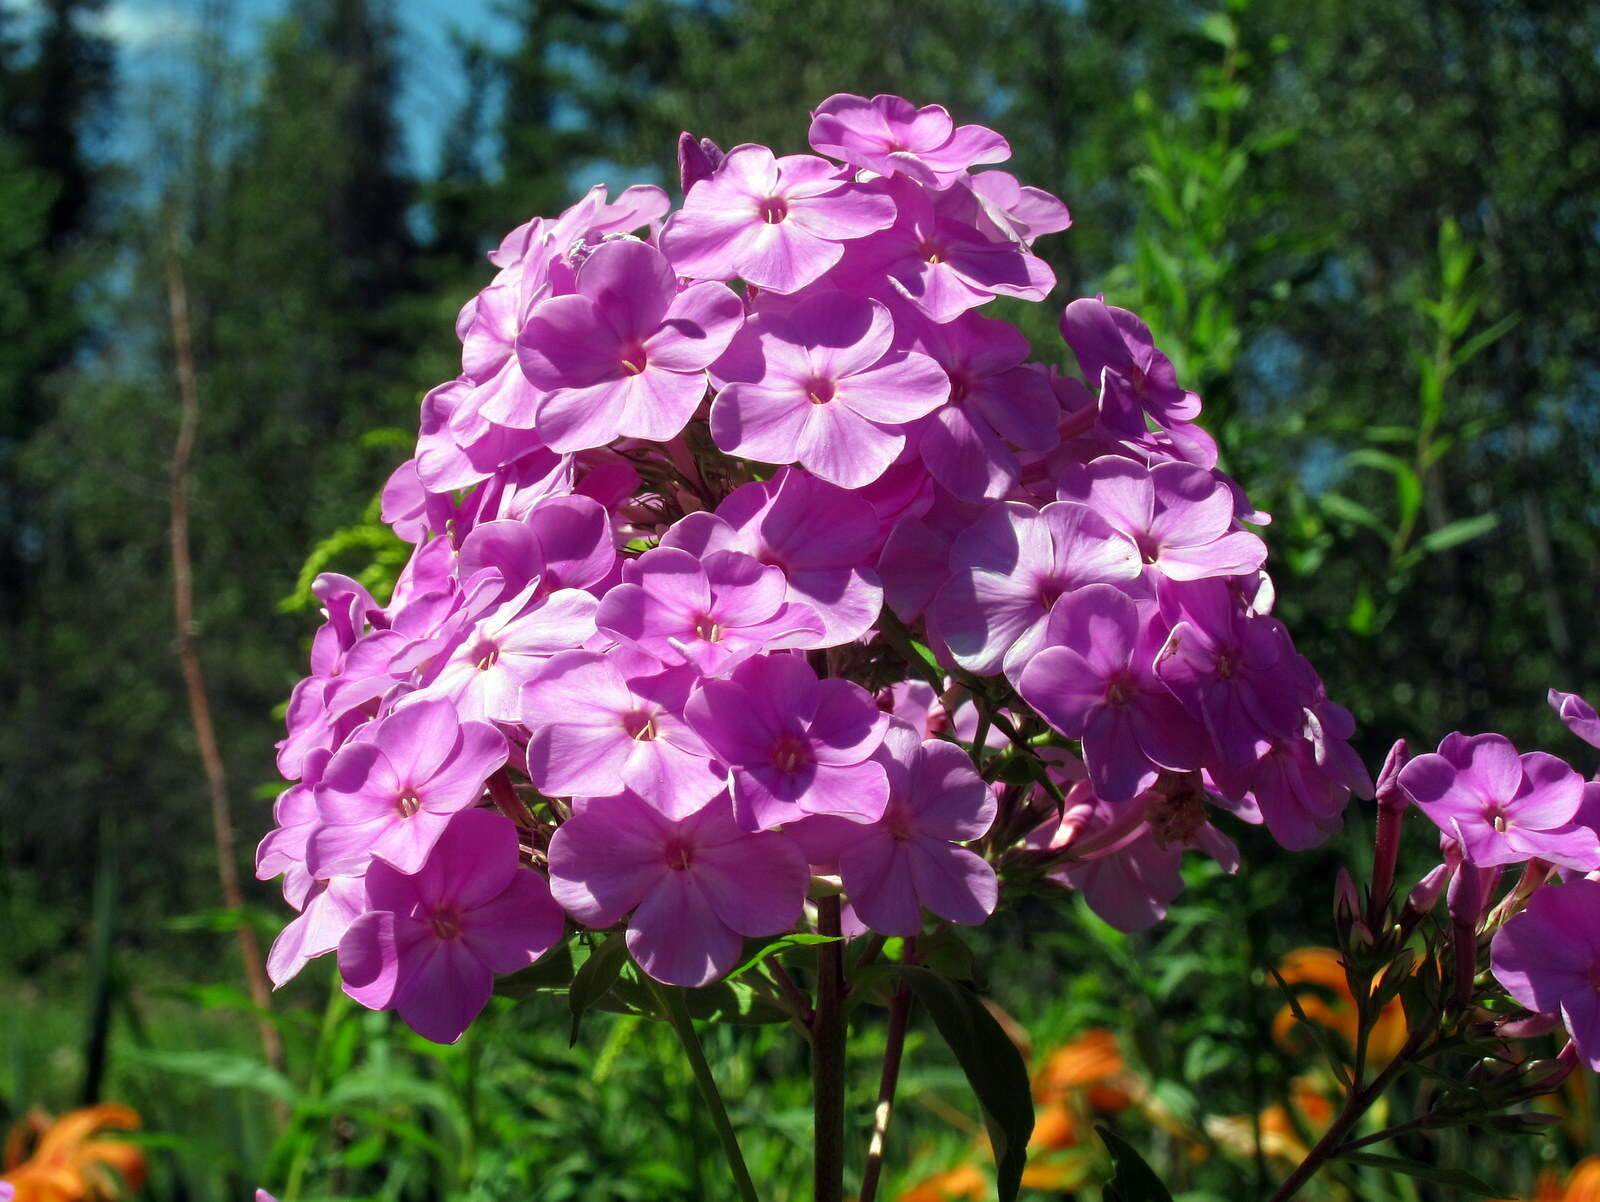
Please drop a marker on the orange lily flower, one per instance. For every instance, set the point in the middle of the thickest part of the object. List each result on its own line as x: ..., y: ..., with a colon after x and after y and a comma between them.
x: 68, y: 1164
x: 1316, y: 974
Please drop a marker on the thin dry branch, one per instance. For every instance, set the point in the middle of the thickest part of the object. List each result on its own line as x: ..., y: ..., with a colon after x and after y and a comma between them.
x: 189, y: 658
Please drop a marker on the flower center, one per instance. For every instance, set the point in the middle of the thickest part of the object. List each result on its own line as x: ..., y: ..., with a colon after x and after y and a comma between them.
x: 773, y: 209
x: 446, y: 924
x: 790, y: 753
x: 708, y: 629
x: 932, y: 250
x: 1227, y: 662
x: 1149, y: 549
x: 1050, y: 592
x: 897, y: 822
x: 1495, y: 817
x: 1120, y: 690
x: 679, y: 855
x: 633, y: 359
x: 960, y: 385
x: 408, y: 803
x: 640, y: 725
x: 1178, y: 816
x: 820, y: 391
x: 485, y: 655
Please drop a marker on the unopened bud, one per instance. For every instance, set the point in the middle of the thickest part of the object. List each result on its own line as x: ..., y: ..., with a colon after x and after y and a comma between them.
x: 1390, y: 795
x: 1529, y: 1027
x: 1529, y: 1122
x: 697, y: 159
x: 1425, y: 895
x: 1543, y: 1076
x: 1346, y: 902
x: 1489, y: 1070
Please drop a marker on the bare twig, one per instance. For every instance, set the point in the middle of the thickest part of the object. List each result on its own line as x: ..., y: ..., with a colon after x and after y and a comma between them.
x: 189, y: 659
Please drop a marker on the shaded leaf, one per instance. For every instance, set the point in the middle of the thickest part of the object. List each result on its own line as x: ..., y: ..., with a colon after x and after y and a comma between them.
x: 992, y: 1065
x: 1458, y: 1179
x: 595, y: 978
x: 1134, y: 1181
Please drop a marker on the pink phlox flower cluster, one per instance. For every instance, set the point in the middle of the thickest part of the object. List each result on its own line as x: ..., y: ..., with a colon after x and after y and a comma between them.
x: 701, y: 474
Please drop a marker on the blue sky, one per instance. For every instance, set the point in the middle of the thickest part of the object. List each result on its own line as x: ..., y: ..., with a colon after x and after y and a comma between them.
x: 154, y: 36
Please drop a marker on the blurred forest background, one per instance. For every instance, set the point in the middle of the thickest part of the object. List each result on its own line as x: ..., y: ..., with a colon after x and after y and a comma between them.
x: 1368, y: 230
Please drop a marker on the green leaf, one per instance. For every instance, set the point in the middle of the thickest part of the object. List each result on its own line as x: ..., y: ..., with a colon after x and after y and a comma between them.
x: 946, y: 953
x: 1344, y: 508
x: 1134, y: 1180
x: 595, y: 978
x: 551, y: 973
x: 1458, y: 1179
x: 224, y: 1070
x: 992, y: 1064
x: 1460, y: 531
x: 782, y: 944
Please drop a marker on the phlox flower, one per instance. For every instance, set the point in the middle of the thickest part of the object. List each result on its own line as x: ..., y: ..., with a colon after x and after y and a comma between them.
x: 564, y: 542
x: 1548, y: 959
x: 892, y: 136
x: 1502, y: 807
x: 693, y: 887
x: 532, y: 266
x: 597, y: 721
x: 325, y: 915
x: 625, y: 355
x: 1095, y: 680
x: 392, y: 792
x: 823, y: 538
x: 711, y: 612
x: 777, y: 223
x: 432, y: 942
x: 994, y: 400
x: 823, y: 387
x: 1118, y: 356
x: 484, y: 671
x: 1007, y: 571
x: 1178, y: 515
x: 1222, y: 663
x: 942, y: 266
x: 1126, y: 858
x: 793, y: 745
x: 915, y: 703
x: 909, y: 859
x: 1005, y: 208
x: 457, y: 447
x: 1577, y: 715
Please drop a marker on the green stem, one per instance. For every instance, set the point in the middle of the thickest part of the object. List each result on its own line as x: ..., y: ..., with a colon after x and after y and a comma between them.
x: 827, y: 1058
x: 676, y: 1011
x: 305, y: 1142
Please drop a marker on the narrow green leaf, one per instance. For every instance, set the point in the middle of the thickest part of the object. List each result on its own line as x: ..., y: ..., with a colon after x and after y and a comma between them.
x: 782, y: 944
x: 1344, y: 508
x: 595, y: 979
x: 225, y: 1070
x: 1455, y: 533
x: 993, y: 1067
x: 1134, y: 1181
x: 1458, y: 1179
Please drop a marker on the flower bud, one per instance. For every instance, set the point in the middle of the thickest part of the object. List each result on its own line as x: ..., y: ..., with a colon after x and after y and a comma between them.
x: 1528, y: 1027
x: 697, y: 159
x: 1390, y: 795
x: 1346, y: 902
x: 1425, y: 895
x: 1528, y: 1123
